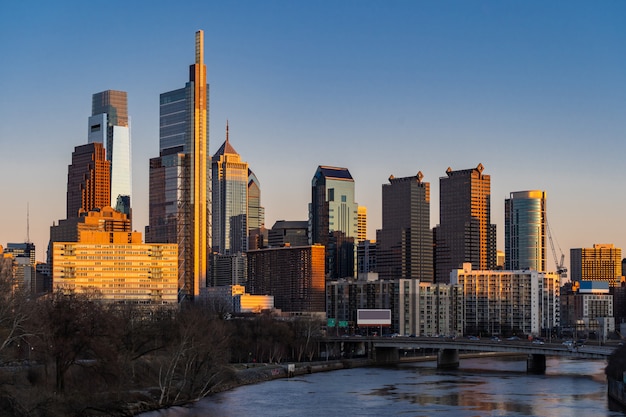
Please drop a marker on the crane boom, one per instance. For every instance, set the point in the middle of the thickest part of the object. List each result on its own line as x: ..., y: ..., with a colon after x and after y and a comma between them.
x: 560, y: 266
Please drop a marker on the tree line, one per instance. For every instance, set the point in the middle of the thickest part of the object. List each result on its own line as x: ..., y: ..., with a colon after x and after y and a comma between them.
x: 71, y: 355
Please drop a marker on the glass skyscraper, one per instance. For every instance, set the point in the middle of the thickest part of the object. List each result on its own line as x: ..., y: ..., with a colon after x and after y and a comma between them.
x: 230, y: 200
x: 109, y: 125
x: 180, y: 176
x: 333, y: 217
x: 525, y: 231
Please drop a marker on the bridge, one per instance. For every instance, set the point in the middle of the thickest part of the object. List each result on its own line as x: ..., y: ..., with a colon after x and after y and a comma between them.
x: 386, y: 350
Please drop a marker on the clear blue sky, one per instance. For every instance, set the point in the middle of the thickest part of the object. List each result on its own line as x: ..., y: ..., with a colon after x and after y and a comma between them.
x: 533, y: 90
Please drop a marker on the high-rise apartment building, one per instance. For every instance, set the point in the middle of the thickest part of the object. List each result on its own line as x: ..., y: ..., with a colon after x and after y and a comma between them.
x: 88, y: 180
x: 333, y: 217
x: 603, y: 262
x: 180, y: 177
x: 109, y: 125
x: 293, y: 275
x: 465, y: 233
x: 525, y: 231
x: 230, y: 200
x: 405, y: 242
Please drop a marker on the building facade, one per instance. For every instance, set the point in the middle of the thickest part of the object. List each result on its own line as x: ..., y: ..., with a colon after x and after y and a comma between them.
x: 525, y: 230
x: 293, y: 275
x: 525, y: 302
x: 361, y: 224
x: 256, y: 212
x: 117, y: 267
x: 602, y: 262
x: 289, y: 233
x: 109, y: 125
x: 465, y: 233
x: 405, y: 242
x: 179, y: 208
x: 230, y: 200
x: 333, y: 218
x: 88, y: 180
x: 420, y: 309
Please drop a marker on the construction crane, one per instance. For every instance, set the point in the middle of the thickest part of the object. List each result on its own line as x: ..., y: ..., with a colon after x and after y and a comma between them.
x: 560, y: 266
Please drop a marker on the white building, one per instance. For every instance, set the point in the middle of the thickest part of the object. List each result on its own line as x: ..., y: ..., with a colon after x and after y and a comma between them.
x: 508, y: 302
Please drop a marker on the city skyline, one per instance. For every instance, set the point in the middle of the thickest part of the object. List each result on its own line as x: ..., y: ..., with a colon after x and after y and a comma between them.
x: 534, y: 92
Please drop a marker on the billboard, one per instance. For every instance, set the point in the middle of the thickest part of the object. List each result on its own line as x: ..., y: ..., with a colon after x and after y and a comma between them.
x: 373, y: 317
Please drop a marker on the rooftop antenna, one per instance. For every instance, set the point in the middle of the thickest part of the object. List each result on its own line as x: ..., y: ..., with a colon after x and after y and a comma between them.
x: 27, y: 222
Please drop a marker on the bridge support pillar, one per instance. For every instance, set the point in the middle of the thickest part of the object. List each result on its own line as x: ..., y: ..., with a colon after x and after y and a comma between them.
x: 386, y: 355
x: 448, y: 359
x: 536, y: 364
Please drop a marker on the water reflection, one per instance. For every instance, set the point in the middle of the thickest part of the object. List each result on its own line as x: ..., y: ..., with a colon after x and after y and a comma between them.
x: 481, y: 387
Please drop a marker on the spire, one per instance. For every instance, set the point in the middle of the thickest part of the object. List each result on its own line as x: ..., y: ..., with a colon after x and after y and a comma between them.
x: 200, y: 47
x: 226, y: 130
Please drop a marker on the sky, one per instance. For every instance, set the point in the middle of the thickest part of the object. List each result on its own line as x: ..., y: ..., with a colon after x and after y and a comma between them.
x: 533, y: 90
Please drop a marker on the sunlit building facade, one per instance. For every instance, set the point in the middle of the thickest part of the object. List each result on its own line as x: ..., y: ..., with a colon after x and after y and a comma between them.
x: 179, y: 209
x: 525, y: 230
x: 109, y: 125
x: 121, y: 272
x: 524, y: 302
x: 602, y: 262
x: 361, y: 224
x: 88, y: 180
x: 465, y: 233
x: 230, y: 200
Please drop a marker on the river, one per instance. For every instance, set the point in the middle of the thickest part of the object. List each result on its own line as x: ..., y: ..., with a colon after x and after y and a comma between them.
x: 480, y: 387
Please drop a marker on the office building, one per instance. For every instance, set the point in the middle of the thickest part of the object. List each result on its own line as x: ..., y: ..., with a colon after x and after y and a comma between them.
x: 525, y: 302
x: 405, y: 242
x: 88, y: 180
x: 603, y: 262
x: 256, y: 212
x: 294, y: 276
x: 289, y: 233
x: 228, y: 269
x: 109, y: 125
x: 333, y: 217
x: 230, y: 200
x: 179, y: 208
x: 366, y: 259
x: 465, y: 233
x: 525, y: 230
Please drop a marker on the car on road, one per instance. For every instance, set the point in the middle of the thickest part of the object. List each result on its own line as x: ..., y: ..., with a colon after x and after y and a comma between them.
x: 473, y: 337
x: 495, y: 339
x: 538, y: 342
x: 512, y: 338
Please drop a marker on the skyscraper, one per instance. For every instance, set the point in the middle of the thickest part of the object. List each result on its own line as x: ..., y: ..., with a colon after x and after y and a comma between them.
x: 230, y: 200
x: 180, y: 176
x: 525, y: 231
x: 333, y: 215
x: 465, y: 233
x: 405, y: 242
x: 256, y: 212
x: 109, y: 125
x: 88, y: 180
